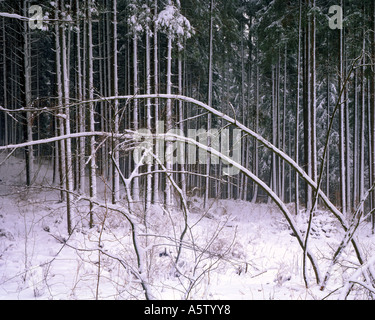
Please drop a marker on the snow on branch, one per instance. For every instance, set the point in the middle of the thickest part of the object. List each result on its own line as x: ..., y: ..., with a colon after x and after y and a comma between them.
x: 361, y: 271
x: 236, y: 123
x: 14, y: 16
x: 230, y: 120
x: 140, y: 19
x: 63, y: 137
x: 174, y: 24
x: 288, y: 216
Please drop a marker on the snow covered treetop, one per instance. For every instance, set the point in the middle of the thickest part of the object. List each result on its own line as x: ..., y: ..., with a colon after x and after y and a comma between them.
x: 169, y: 20
x: 140, y: 18
x: 174, y: 24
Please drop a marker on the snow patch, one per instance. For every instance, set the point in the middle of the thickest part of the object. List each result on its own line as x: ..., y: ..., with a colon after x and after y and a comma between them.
x: 233, y: 250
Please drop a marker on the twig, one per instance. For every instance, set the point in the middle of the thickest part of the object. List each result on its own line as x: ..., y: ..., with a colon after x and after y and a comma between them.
x: 311, y: 215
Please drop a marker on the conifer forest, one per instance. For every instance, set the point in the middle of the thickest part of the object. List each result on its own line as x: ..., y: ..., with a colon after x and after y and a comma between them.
x: 187, y: 149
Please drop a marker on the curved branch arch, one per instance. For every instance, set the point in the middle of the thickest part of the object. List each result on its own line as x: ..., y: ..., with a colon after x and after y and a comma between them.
x: 336, y: 212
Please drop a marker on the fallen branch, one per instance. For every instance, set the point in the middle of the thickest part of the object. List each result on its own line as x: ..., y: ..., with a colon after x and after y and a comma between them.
x: 354, y: 279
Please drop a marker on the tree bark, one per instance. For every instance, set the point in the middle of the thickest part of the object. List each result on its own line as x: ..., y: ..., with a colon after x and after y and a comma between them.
x: 5, y: 91
x: 68, y: 142
x: 373, y: 123
x: 27, y: 96
x: 81, y: 110
x: 61, y: 130
x: 209, y: 100
x: 156, y: 102
x: 169, y: 126
x: 342, y: 126
x: 296, y: 147
x: 149, y: 189
x: 90, y: 84
x: 136, y: 190
x: 116, y: 154
x: 256, y: 152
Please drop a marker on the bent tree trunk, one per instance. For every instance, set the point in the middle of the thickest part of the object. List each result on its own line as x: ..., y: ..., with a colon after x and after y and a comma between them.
x: 258, y: 137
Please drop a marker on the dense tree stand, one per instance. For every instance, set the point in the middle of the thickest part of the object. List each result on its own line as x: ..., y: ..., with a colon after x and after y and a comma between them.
x: 146, y: 108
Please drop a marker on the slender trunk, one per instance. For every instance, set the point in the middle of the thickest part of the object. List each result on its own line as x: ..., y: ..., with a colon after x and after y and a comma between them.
x: 314, y: 165
x: 27, y: 95
x: 136, y: 190
x: 282, y: 190
x: 347, y: 145
x: 209, y: 120
x: 256, y: 153
x: 90, y: 84
x: 169, y: 126
x: 373, y: 123
x: 328, y: 122
x: 355, y: 144
x: 307, y: 108
x: 368, y: 138
x: 274, y: 129
x: 81, y: 109
x: 278, y: 124
x: 296, y: 147
x: 342, y: 126
x: 60, y: 121
x: 107, y: 110
x: 242, y: 185
x: 148, y: 195
x: 156, y: 102
x: 362, y: 129
x: 116, y: 154
x: 181, y: 123
x: 103, y: 76
x: 5, y: 92
x: 68, y: 142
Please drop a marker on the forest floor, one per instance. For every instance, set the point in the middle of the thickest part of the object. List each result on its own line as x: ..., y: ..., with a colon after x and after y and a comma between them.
x: 234, y: 250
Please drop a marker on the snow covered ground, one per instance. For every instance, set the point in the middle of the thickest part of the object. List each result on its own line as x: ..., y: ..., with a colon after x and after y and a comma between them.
x: 235, y: 250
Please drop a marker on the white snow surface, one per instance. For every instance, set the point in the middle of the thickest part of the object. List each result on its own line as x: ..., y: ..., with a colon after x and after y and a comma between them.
x: 235, y: 250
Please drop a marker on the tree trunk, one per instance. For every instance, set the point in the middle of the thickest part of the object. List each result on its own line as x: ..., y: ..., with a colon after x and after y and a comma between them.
x: 136, y: 190
x: 5, y: 92
x: 328, y: 122
x: 209, y: 119
x: 296, y: 147
x: 307, y: 108
x: 342, y: 125
x: 169, y: 126
x: 81, y: 109
x: 68, y: 142
x: 256, y: 153
x: 362, y: 130
x: 116, y: 154
x: 61, y: 144
x: 27, y: 96
x: 347, y: 144
x: 156, y: 102
x: 181, y: 123
x: 90, y: 84
x: 355, y: 143
x: 148, y: 194
x: 283, y: 144
x: 276, y: 125
x: 373, y: 123
x: 314, y: 166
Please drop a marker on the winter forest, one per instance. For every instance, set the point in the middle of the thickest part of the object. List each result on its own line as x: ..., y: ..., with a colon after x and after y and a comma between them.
x: 187, y: 149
